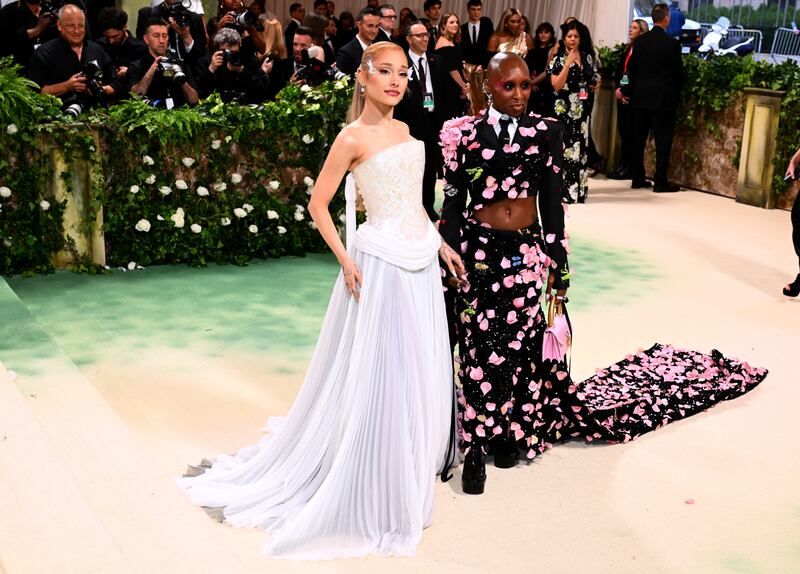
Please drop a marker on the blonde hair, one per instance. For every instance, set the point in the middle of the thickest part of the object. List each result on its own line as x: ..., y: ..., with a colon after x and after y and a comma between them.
x: 372, y: 52
x: 273, y: 39
x: 643, y: 27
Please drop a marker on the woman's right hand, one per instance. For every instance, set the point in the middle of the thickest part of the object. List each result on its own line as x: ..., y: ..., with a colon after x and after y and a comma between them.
x: 790, y: 171
x: 352, y: 278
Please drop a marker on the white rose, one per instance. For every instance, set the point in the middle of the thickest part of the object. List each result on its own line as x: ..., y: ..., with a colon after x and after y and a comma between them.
x: 239, y: 212
x: 143, y: 225
x: 147, y: 160
x: 298, y: 216
x: 220, y: 186
x: 307, y: 139
x: 187, y: 161
x: 12, y: 129
x: 150, y: 179
x: 134, y: 189
x: 225, y: 221
x: 274, y: 184
x: 196, y: 228
x: 179, y: 223
x: 202, y: 191
x: 215, y: 144
x: 299, y: 208
x: 281, y: 229
x: 236, y: 178
x: 312, y: 225
x: 305, y: 88
x: 272, y: 214
x: 253, y: 229
x: 343, y: 218
x: 180, y: 184
x: 132, y: 265
x: 159, y: 218
x: 5, y: 192
x: 308, y: 181
x: 247, y: 207
x: 44, y: 204
x: 178, y: 217
x: 165, y: 190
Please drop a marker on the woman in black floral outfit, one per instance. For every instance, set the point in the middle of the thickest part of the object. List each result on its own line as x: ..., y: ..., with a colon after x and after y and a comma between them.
x: 573, y: 76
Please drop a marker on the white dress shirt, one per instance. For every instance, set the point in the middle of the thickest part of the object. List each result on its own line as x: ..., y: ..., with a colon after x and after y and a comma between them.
x: 512, y: 128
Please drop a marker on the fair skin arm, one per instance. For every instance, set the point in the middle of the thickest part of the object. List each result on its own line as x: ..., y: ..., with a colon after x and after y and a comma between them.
x: 76, y: 83
x: 793, y: 164
x: 144, y: 84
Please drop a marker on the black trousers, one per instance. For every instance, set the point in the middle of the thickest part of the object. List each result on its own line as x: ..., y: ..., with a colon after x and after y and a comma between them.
x: 433, y: 161
x: 663, y: 125
x: 625, y: 127
x: 796, y: 226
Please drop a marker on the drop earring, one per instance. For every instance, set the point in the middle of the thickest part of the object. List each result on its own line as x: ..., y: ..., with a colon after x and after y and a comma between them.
x: 362, y: 89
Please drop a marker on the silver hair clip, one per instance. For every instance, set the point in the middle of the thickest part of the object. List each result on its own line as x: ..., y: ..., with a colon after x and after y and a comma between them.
x: 371, y: 67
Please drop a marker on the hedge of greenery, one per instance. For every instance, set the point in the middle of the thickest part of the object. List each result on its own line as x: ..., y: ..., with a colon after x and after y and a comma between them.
x: 217, y: 182
x: 713, y: 85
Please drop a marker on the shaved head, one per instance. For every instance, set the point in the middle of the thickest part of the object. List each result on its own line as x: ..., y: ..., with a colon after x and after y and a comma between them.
x: 509, y: 83
x: 503, y: 62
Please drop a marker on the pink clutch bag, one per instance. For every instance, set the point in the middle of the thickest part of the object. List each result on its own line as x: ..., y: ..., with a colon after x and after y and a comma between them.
x: 558, y: 334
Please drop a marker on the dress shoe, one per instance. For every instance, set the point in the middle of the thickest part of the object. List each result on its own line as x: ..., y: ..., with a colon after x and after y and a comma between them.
x: 621, y: 173
x: 793, y: 289
x: 666, y: 188
x: 641, y: 184
x: 506, y: 452
x: 473, y: 476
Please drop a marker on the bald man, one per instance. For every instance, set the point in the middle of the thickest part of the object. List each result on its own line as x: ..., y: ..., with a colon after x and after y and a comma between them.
x: 502, y: 178
x: 59, y: 66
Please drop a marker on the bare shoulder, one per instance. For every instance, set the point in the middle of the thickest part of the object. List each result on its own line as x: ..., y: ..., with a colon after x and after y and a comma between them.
x: 347, y: 145
x: 400, y: 128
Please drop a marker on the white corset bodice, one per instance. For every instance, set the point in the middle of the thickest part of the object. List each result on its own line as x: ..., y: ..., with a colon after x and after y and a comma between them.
x: 397, y: 228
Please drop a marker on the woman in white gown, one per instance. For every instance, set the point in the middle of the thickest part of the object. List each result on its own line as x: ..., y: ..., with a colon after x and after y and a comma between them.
x: 351, y: 470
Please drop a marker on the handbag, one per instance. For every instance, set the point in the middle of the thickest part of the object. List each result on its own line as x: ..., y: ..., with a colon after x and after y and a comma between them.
x: 558, y: 334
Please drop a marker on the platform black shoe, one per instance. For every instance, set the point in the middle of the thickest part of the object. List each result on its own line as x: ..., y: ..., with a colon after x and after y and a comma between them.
x: 793, y: 289
x: 506, y: 452
x: 473, y: 476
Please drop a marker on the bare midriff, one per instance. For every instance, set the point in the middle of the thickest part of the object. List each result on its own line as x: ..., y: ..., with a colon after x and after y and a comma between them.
x: 509, y: 214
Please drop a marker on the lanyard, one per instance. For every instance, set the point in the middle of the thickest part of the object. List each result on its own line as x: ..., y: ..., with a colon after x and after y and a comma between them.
x: 627, y: 59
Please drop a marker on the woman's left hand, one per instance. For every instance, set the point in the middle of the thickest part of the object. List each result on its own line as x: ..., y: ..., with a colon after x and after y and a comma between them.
x: 453, y: 261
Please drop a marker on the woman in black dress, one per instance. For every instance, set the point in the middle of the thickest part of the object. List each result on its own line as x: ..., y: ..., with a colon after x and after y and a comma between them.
x: 456, y: 90
x: 541, y: 100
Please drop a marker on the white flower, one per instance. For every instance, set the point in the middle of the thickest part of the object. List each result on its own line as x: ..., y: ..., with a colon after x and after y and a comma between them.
x: 5, y: 192
x: 180, y: 184
x: 132, y: 265
x: 253, y: 229
x: 202, y: 191
x: 247, y: 207
x: 307, y: 139
x: 239, y: 212
x: 343, y: 218
x: 274, y: 184
x: 299, y: 208
x: 159, y: 218
x: 338, y: 85
x: 236, y: 178
x: 7, y: 242
x: 187, y: 161
x: 11, y: 129
x: 272, y: 214
x: 225, y: 221
x: 150, y: 179
x: 196, y: 228
x: 143, y: 225
x: 165, y: 190
x: 44, y: 204
x: 147, y: 160
x: 134, y: 189
x: 305, y: 88
x: 308, y: 181
x: 178, y: 217
x: 312, y: 225
x: 281, y: 229
x: 298, y: 216
x: 215, y: 144
x: 220, y: 186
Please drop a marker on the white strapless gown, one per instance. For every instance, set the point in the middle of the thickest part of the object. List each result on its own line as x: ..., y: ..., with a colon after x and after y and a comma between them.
x: 351, y: 470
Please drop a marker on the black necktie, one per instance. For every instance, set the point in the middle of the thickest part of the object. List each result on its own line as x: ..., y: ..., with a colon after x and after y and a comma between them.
x: 505, y: 132
x: 475, y: 34
x: 423, y: 82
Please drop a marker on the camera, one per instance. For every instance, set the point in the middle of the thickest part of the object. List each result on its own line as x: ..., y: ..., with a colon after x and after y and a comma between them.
x: 73, y: 108
x: 94, y: 78
x: 169, y: 67
x: 50, y: 8
x: 178, y: 12
x: 314, y: 71
x: 246, y: 19
x: 232, y: 58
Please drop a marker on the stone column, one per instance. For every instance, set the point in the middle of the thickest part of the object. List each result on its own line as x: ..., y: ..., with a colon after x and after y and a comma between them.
x: 754, y: 185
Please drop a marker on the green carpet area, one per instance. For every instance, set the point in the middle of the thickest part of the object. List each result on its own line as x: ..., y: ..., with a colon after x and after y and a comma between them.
x: 273, y: 306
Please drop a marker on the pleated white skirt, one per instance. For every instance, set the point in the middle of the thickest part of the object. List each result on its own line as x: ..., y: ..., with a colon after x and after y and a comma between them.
x: 351, y: 470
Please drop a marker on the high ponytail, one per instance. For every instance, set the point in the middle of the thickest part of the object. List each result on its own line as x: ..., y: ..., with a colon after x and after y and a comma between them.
x: 372, y: 51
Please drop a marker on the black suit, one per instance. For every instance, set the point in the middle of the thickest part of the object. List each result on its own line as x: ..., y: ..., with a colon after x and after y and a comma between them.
x: 348, y: 57
x: 382, y: 36
x: 196, y: 29
x: 288, y: 34
x: 655, y: 73
x: 475, y: 52
x: 425, y: 125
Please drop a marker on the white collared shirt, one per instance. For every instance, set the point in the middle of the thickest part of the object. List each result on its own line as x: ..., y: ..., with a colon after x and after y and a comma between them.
x: 364, y: 46
x: 476, y: 26
x: 415, y: 61
x: 512, y: 128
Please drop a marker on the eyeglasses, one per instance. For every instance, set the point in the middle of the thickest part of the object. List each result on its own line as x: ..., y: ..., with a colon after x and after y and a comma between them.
x: 392, y: 17
x: 420, y: 35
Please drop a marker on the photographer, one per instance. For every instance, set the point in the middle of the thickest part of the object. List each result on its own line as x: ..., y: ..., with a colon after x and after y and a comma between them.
x: 187, y: 35
x: 73, y: 68
x: 233, y: 15
x: 116, y: 40
x: 159, y: 76
x: 225, y: 72
x: 24, y: 26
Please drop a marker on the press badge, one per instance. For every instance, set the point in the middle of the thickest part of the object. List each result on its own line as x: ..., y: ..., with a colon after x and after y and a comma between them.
x: 427, y: 102
x: 170, y: 103
x: 624, y: 80
x: 583, y: 94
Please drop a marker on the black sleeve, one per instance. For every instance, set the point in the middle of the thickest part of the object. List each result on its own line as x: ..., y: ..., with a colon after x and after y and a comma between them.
x: 456, y: 194
x: 345, y: 62
x: 203, y: 77
x: 135, y: 72
x: 145, y: 14
x: 551, y: 210
x: 38, y: 71
x: 110, y: 72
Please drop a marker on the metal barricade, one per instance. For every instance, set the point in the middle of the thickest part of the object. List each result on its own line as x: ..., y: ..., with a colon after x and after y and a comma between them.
x: 785, y: 45
x: 757, y: 35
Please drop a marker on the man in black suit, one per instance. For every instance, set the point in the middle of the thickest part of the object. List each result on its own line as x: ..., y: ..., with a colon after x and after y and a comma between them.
x: 188, y: 41
x: 297, y: 13
x: 433, y: 12
x: 349, y: 56
x: 655, y: 72
x: 422, y: 106
x: 388, y: 22
x: 475, y: 34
